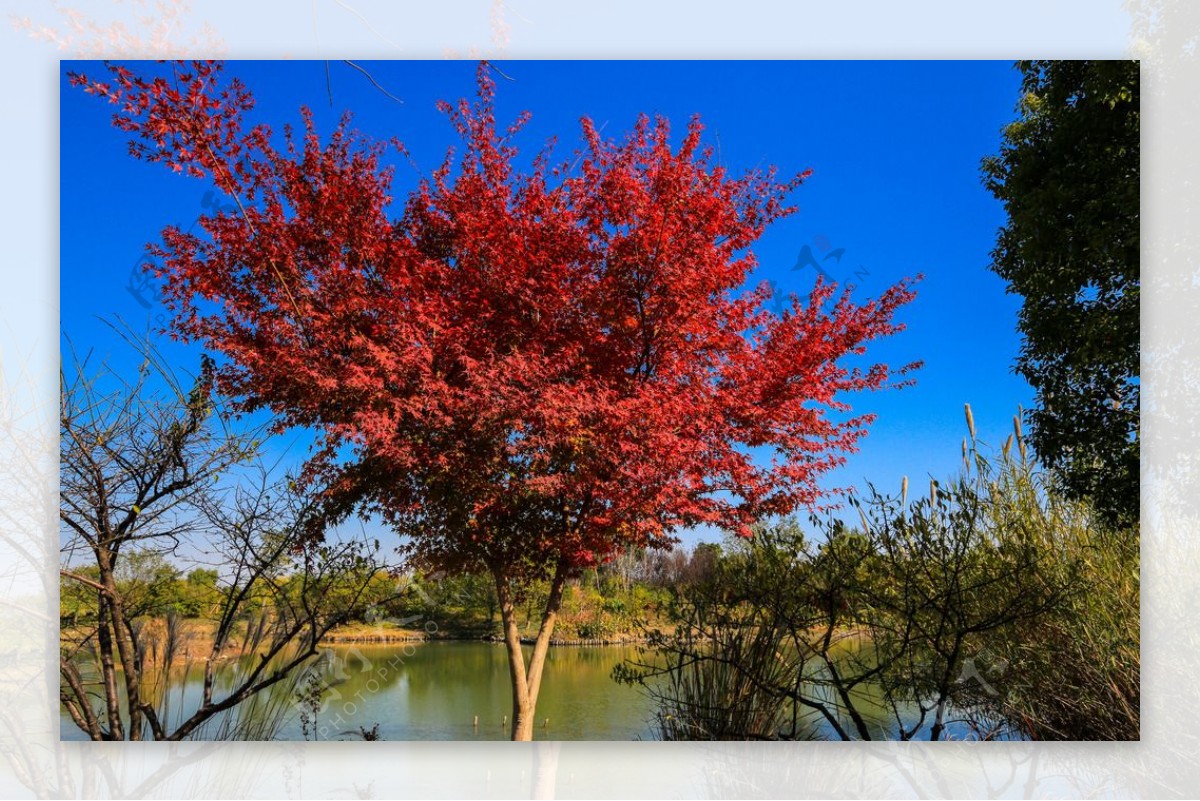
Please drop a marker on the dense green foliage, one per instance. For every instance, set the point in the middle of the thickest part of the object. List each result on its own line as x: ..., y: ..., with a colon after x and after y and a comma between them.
x: 1068, y: 175
x: 153, y: 587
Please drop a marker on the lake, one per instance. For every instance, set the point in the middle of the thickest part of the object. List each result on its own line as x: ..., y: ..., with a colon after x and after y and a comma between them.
x: 434, y: 691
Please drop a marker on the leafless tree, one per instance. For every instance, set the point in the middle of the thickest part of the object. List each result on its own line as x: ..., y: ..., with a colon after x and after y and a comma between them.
x: 147, y: 468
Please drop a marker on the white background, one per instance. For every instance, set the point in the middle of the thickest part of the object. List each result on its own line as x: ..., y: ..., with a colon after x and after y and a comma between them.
x: 34, y: 35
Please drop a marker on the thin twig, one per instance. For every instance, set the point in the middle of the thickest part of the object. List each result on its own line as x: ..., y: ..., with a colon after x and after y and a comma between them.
x: 371, y: 78
x: 499, y: 71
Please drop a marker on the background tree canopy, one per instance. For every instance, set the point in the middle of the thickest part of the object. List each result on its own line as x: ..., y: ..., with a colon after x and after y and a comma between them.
x: 1067, y: 173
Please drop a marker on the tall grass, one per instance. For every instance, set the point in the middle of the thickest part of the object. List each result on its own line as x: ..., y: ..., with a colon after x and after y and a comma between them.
x: 1074, y: 672
x: 722, y: 682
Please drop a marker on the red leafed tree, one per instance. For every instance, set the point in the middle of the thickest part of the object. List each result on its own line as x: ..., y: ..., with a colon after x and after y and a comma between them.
x: 524, y: 372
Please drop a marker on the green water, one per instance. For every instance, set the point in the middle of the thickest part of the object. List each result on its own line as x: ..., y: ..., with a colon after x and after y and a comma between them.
x: 434, y: 691
x: 437, y: 690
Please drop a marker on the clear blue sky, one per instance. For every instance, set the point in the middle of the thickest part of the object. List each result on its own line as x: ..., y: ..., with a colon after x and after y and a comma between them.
x: 894, y: 148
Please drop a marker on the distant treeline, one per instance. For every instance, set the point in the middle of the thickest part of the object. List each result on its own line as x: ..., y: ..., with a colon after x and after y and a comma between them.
x: 615, y: 600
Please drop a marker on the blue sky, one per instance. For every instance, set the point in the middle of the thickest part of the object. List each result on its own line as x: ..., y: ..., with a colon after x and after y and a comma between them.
x: 894, y: 148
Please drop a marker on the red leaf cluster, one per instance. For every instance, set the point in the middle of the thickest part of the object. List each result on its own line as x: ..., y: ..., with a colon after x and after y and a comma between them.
x: 524, y: 367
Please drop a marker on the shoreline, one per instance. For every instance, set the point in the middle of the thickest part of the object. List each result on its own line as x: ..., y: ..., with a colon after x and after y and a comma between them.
x: 195, y: 639
x: 383, y: 638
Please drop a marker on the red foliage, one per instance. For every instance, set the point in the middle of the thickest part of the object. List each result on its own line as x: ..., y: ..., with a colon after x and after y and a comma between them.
x: 522, y: 368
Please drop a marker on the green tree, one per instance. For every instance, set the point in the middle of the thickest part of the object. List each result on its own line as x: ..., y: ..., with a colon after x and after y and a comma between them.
x: 1067, y: 173
x: 201, y: 596
x: 149, y: 583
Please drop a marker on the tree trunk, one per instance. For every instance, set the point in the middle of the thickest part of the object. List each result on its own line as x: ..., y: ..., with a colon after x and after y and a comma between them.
x: 516, y: 660
x: 130, y: 664
x: 935, y: 733
x: 527, y: 679
x: 108, y: 669
x: 121, y: 636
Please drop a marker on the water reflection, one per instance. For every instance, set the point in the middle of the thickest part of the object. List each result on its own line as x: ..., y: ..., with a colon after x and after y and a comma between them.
x: 438, y: 691
x: 461, y: 691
